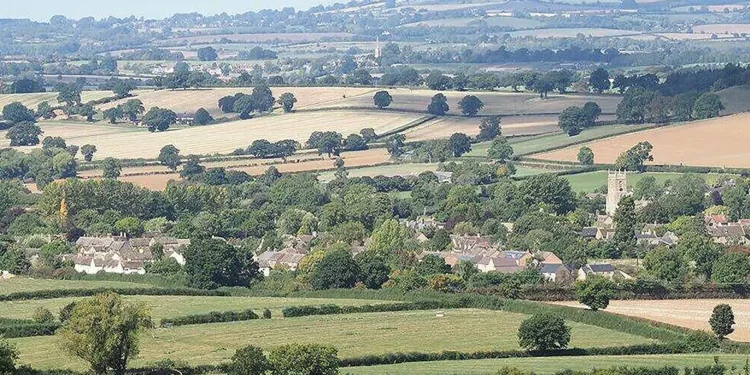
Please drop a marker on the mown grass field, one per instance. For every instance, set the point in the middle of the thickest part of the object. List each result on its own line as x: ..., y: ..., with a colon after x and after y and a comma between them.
x: 590, y: 181
x: 176, y: 306
x: 546, y: 365
x: 530, y: 145
x: 352, y: 334
x: 23, y: 284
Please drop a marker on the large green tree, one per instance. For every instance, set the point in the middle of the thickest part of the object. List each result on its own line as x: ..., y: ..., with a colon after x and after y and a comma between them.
x: 707, y: 105
x: 635, y: 158
x: 543, y: 332
x: 111, y: 168
x: 460, y: 144
x: 16, y: 112
x: 287, y: 101
x: 599, y: 80
x: 24, y: 134
x: 212, y: 263
x: 586, y: 156
x: 438, y: 105
x: 731, y: 268
x: 159, y: 119
x: 304, y: 359
x: 382, y: 99
x: 489, y: 128
x: 470, y: 105
x: 572, y: 120
x: 595, y: 292
x: 625, y: 222
x: 169, y: 156
x: 103, y: 331
x: 336, y: 270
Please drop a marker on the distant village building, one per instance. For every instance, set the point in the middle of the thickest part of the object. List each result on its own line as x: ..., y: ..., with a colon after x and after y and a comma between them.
x: 288, y: 259
x: 122, y: 255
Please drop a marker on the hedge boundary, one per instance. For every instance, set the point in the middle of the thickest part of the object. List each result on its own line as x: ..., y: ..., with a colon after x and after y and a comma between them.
x: 28, y: 330
x: 211, y: 317
x: 62, y: 293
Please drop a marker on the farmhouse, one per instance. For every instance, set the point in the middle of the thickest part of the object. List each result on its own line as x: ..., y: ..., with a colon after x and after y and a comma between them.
x: 731, y: 234
x: 604, y: 270
x: 122, y: 255
x: 285, y: 259
x: 558, y: 272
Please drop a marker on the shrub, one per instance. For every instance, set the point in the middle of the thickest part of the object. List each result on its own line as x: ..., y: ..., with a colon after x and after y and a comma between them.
x: 722, y: 320
x: 266, y: 314
x: 543, y: 332
x: 303, y: 359
x: 42, y: 315
x: 249, y: 360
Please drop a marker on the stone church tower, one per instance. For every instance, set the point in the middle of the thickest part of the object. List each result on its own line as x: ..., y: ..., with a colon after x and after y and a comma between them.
x: 617, y: 187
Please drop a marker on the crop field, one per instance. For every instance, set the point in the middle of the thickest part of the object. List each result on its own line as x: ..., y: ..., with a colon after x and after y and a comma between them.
x: 548, y: 365
x: 188, y: 101
x: 225, y: 138
x: 258, y: 38
x: 33, y: 100
x: 529, y: 145
x: 175, y: 306
x: 352, y: 334
x: 587, y: 182
x: 512, y: 22
x: 723, y: 28
x: 495, y: 103
x: 719, y: 142
x: 573, y: 32
x: 693, y: 313
x: 352, y: 159
x: 735, y: 99
x: 444, y: 127
x: 23, y: 284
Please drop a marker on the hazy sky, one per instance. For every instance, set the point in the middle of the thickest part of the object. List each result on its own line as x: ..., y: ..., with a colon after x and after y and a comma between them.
x: 42, y: 10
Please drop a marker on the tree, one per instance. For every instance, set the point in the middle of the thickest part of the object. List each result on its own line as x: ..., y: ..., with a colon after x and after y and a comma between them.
x: 336, y: 270
x: 470, y: 105
x: 131, y: 226
x: 722, y: 321
x: 158, y: 119
x: 543, y: 332
x: 86, y: 110
x: 202, y: 117
x: 595, y: 292
x: 113, y: 114
x: 42, y: 315
x: 633, y: 107
x: 586, y: 156
x: 382, y: 99
x: 489, y: 128
x: 132, y: 109
x: 432, y: 265
x: 44, y: 110
x: 69, y: 93
x: 122, y: 88
x: 438, y: 105
x: 731, y: 268
x: 304, y: 359
x: 368, y: 134
x: 262, y: 98
x: 374, y: 271
x: 460, y: 144
x: 635, y: 158
x: 24, y: 134
x: 170, y: 157
x: 592, y: 111
x: 500, y: 149
x: 53, y: 142
x: 212, y: 263
x: 707, y: 105
x: 8, y: 357
x: 326, y: 142
x: 666, y: 264
x: 249, y: 360
x: 16, y: 112
x: 103, y: 331
x: 438, y: 81
x: 599, y: 80
x: 625, y: 223
x: 395, y: 145
x: 192, y: 168
x: 286, y: 101
x: 389, y: 238
x: 572, y: 120
x: 111, y: 168
x: 88, y: 152
x: 355, y: 142
x: 548, y: 191
x: 207, y: 54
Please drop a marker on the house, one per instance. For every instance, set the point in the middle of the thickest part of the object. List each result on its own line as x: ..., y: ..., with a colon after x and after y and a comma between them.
x: 604, y: 270
x: 503, y: 265
x: 288, y: 259
x: 651, y: 228
x: 444, y: 177
x: 471, y: 244
x: 540, y: 257
x: 558, y: 272
x: 605, y: 234
x: 669, y: 239
x: 589, y: 232
x: 649, y: 239
x: 716, y: 220
x: 421, y: 238
x: 122, y: 255
x: 728, y: 234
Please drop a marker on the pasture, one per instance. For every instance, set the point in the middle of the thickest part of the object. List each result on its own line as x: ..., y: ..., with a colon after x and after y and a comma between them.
x: 718, y: 142
x: 352, y: 334
x: 547, y: 365
x: 124, y: 143
x: 188, y: 101
x: 256, y: 38
x: 587, y: 182
x: 176, y: 306
x: 24, y: 284
x: 34, y: 99
x: 573, y: 32
x: 495, y: 103
x: 693, y: 313
x: 723, y: 28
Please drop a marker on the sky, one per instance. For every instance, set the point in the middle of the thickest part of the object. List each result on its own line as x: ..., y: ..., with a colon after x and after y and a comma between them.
x: 43, y: 10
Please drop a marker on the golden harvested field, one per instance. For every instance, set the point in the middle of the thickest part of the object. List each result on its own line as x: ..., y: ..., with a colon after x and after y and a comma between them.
x: 693, y: 313
x: 256, y: 38
x: 352, y: 159
x: 722, y: 28
x: 693, y: 36
x: 573, y: 32
x: 494, y: 102
x: 34, y: 99
x: 188, y: 101
x: 444, y: 127
x: 719, y: 142
x: 225, y: 138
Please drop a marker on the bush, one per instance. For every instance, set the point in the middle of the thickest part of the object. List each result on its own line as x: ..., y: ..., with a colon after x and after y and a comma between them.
x: 28, y: 330
x: 42, y: 315
x: 543, y: 332
x: 211, y: 317
x: 249, y: 360
x: 303, y: 359
x: 266, y: 314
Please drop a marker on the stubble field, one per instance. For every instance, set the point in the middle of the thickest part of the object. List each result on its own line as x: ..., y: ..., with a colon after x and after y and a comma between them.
x: 719, y: 142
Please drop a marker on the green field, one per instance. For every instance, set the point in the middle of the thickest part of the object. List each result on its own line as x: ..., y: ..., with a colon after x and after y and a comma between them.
x: 352, y: 334
x: 588, y: 182
x: 23, y: 284
x: 545, y: 365
x: 384, y: 170
x: 174, y: 306
x: 531, y: 145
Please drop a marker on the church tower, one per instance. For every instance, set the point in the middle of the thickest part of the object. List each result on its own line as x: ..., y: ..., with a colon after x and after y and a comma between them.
x: 378, y: 50
x: 617, y: 187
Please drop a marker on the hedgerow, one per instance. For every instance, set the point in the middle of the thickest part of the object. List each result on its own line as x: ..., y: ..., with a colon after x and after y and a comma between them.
x: 61, y: 293
x: 211, y: 317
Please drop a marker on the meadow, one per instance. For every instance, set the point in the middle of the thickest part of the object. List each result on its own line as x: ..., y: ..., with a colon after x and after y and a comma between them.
x: 548, y: 365
x: 352, y: 334
x: 587, y: 182
x: 23, y: 284
x: 718, y: 142
x: 573, y: 32
x: 176, y: 306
